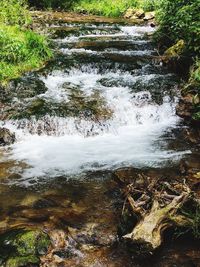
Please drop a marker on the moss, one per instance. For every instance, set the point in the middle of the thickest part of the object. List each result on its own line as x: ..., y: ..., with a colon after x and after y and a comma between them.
x: 22, y: 261
x: 31, y: 243
x: 175, y: 50
x: 23, y: 247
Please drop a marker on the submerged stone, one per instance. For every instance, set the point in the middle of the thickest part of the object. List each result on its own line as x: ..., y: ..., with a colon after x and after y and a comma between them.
x: 25, y: 87
x: 22, y: 261
x: 23, y: 247
x: 6, y: 137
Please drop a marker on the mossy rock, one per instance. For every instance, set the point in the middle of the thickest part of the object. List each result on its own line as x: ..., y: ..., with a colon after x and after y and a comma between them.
x: 23, y: 247
x: 22, y: 261
x: 175, y: 50
x: 77, y: 105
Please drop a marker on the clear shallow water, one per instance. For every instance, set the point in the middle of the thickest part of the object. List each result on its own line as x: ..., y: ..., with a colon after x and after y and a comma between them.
x: 129, y: 124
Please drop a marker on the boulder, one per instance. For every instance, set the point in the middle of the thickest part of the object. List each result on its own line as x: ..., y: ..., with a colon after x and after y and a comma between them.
x: 185, y: 107
x: 176, y: 50
x: 6, y: 137
x: 129, y: 13
x: 149, y: 15
x: 139, y: 13
x: 133, y: 13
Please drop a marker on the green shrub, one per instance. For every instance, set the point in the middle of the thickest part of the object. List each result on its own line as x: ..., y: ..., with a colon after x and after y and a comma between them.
x: 14, y: 12
x: 180, y: 19
x: 149, y: 5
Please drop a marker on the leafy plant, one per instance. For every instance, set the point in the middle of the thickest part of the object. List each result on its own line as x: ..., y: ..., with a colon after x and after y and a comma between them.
x: 180, y: 19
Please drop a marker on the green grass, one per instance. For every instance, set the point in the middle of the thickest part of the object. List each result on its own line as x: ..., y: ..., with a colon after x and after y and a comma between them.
x: 14, y: 12
x: 113, y: 8
x: 21, y: 50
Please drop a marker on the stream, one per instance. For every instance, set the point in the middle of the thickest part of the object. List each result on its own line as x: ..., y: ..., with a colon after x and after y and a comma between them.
x: 104, y: 102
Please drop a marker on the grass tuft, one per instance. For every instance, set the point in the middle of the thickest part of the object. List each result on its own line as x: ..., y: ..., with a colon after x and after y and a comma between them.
x: 22, y: 50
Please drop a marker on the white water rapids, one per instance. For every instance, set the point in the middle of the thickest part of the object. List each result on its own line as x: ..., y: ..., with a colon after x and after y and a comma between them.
x: 132, y: 136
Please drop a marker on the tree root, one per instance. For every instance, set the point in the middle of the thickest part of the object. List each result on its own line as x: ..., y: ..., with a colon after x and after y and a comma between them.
x: 157, y: 206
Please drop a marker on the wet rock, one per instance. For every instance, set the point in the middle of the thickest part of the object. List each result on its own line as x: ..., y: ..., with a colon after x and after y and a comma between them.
x: 44, y: 203
x: 25, y: 87
x: 6, y: 137
x: 185, y: 107
x: 94, y: 234
x: 23, y: 247
x: 126, y: 175
x: 63, y: 32
x: 22, y: 261
x: 190, y: 165
x: 29, y: 200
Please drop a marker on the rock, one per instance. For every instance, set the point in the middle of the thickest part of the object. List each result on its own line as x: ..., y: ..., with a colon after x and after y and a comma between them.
x: 129, y: 13
x: 190, y: 166
x: 6, y: 137
x: 139, y: 13
x: 21, y: 88
x: 133, y: 13
x: 134, y: 18
x: 93, y: 234
x: 23, y: 247
x: 22, y: 261
x: 175, y: 50
x: 29, y: 200
x: 152, y: 24
x: 185, y: 107
x: 149, y: 15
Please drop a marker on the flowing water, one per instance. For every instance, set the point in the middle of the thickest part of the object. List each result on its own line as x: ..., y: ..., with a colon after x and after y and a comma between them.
x: 103, y: 103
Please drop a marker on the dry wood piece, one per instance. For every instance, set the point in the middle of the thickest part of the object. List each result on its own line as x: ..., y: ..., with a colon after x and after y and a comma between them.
x: 157, y: 206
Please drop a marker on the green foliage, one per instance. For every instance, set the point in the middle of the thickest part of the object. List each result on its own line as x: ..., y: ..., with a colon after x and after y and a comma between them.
x: 194, y: 82
x: 108, y: 8
x: 21, y: 50
x: 193, y: 87
x: 180, y: 19
x: 149, y: 5
x: 14, y: 12
x: 52, y: 4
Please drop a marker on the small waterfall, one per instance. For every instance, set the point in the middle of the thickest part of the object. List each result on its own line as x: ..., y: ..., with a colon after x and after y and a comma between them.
x: 94, y: 116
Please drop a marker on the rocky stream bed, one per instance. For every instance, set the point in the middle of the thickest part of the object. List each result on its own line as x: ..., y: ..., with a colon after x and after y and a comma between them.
x: 88, y: 143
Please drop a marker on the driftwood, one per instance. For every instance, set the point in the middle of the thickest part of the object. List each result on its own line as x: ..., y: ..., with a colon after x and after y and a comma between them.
x: 157, y: 205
